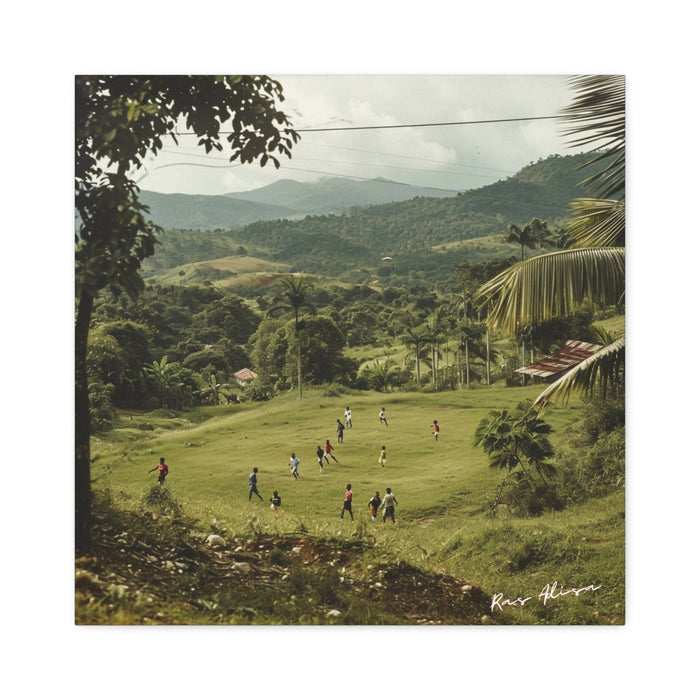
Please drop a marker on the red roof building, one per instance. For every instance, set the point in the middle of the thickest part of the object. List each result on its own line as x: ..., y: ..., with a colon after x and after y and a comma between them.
x: 572, y: 354
x: 244, y: 375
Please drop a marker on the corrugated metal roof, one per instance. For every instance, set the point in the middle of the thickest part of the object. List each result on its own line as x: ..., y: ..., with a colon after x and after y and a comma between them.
x: 244, y: 374
x: 572, y: 354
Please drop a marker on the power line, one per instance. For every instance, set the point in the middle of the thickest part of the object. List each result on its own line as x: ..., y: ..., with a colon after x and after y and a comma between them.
x: 302, y: 170
x: 414, y: 126
x: 342, y: 162
x: 400, y: 126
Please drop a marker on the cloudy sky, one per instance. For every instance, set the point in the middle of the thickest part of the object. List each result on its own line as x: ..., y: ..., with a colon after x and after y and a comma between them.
x: 454, y: 157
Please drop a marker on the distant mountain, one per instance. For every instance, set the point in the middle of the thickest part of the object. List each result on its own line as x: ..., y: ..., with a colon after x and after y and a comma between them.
x: 284, y: 199
x: 209, y: 212
x: 427, y: 234
x: 336, y: 194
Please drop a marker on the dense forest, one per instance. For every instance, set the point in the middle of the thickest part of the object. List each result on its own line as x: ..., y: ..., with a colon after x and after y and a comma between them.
x: 408, y: 320
x: 422, y: 234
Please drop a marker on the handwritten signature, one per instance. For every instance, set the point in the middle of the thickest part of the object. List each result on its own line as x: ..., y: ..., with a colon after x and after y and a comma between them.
x: 549, y: 592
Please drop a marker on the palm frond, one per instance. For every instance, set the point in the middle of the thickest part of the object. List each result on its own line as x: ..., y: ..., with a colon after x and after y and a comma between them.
x: 603, y: 368
x: 597, y: 223
x: 538, y: 289
x: 597, y: 118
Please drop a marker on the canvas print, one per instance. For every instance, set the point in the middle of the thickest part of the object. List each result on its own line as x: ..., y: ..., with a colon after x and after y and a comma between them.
x: 350, y: 350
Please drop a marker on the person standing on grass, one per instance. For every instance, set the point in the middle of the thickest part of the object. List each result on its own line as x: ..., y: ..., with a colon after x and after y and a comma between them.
x: 374, y: 504
x: 319, y: 456
x: 162, y: 468
x: 328, y: 449
x: 388, y: 506
x: 294, y: 461
x: 340, y: 428
x: 436, y: 430
x: 275, y: 501
x: 348, y: 417
x: 382, y: 417
x: 253, y: 484
x: 347, y: 503
x: 382, y: 456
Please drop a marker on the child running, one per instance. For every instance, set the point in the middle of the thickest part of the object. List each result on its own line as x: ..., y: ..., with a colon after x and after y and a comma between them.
x: 374, y: 504
x: 436, y: 430
x: 328, y: 449
x: 162, y: 468
x: 294, y: 461
x: 382, y: 456
x: 275, y: 501
x: 382, y: 417
x: 347, y: 503
x: 388, y: 505
x: 253, y: 484
x: 348, y: 417
x: 319, y: 457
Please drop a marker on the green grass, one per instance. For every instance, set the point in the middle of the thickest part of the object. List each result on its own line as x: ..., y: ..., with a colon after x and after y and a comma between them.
x: 444, y: 489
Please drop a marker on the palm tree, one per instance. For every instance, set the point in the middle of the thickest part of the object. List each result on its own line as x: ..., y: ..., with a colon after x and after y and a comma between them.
x: 435, y: 328
x: 294, y: 297
x: 538, y: 289
x: 531, y: 235
x: 415, y: 340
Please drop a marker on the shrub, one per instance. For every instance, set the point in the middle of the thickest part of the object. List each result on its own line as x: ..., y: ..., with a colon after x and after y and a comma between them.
x: 102, y: 412
x: 588, y: 471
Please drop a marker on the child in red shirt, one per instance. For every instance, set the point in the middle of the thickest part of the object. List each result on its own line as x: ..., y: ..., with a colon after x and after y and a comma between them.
x: 328, y: 449
x: 162, y: 468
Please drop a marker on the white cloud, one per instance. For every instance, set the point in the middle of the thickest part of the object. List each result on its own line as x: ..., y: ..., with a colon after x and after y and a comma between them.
x: 450, y: 157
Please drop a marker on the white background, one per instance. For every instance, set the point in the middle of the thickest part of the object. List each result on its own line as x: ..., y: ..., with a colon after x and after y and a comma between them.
x: 44, y: 47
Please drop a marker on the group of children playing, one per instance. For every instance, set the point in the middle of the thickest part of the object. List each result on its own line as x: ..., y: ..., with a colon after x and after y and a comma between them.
x: 387, y: 503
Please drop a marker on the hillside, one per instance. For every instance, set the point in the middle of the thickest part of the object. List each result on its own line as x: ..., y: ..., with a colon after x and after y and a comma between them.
x: 548, y: 184
x: 425, y: 234
x: 336, y: 194
x: 208, y: 211
x: 441, y: 562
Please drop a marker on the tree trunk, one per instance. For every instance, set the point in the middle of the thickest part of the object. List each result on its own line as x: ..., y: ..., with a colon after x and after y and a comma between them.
x: 299, y: 365
x: 82, y: 426
x: 488, y: 359
x: 466, y: 361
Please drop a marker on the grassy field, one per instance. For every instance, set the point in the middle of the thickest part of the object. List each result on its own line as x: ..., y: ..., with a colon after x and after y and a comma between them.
x: 444, y: 490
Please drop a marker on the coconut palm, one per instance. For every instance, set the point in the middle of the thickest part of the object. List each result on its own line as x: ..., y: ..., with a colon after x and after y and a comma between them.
x: 531, y: 235
x: 294, y: 298
x: 555, y: 284
x: 415, y: 339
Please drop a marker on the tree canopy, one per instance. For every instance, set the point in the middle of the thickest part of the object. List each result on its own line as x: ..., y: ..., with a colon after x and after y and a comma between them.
x: 119, y: 120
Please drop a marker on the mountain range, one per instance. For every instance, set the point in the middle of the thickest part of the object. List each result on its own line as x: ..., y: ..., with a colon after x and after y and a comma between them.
x: 427, y: 234
x: 284, y: 199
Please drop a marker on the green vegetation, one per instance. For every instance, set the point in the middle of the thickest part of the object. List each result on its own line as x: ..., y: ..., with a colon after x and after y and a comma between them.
x: 444, y: 524
x: 387, y: 306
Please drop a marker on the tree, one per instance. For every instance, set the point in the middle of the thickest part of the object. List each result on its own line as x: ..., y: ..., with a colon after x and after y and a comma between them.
x: 119, y: 120
x: 531, y: 235
x: 294, y: 298
x: 160, y: 371
x: 536, y: 290
x: 518, y: 443
x: 434, y: 335
x: 416, y: 339
x: 382, y: 374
